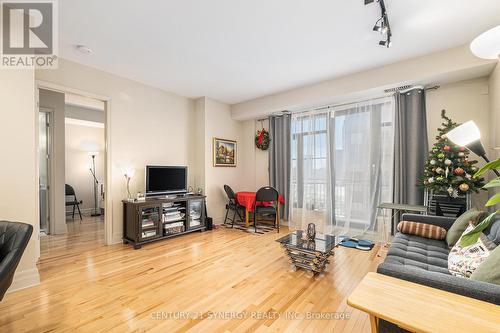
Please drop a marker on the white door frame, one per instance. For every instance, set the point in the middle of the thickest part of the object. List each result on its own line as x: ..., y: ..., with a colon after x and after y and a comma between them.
x: 108, y: 201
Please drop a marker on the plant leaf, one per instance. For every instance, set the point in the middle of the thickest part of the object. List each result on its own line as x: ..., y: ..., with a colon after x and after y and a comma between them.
x: 493, y: 200
x: 493, y: 183
x: 489, y: 166
x: 472, y: 236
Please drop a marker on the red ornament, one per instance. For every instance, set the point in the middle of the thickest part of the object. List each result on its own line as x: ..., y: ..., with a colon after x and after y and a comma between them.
x: 458, y: 171
x: 261, y: 137
x: 462, y: 148
x: 446, y: 148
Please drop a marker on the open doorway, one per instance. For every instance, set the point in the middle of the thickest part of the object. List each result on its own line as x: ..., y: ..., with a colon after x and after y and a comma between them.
x: 72, y: 171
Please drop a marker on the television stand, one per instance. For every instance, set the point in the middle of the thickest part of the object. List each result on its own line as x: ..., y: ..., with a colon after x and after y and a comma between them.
x: 160, y: 218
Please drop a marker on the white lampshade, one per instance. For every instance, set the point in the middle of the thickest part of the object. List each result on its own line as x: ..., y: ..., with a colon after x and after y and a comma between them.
x: 487, y: 45
x: 464, y: 134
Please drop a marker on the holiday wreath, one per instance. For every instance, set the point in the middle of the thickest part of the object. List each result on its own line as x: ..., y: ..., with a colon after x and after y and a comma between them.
x: 262, y: 139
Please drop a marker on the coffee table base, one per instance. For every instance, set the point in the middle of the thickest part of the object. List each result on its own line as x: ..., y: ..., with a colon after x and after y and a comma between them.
x: 312, y: 261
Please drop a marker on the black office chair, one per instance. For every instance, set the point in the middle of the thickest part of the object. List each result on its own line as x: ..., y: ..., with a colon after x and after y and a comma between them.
x: 70, y: 191
x: 266, y: 194
x: 232, y: 205
x: 14, y: 238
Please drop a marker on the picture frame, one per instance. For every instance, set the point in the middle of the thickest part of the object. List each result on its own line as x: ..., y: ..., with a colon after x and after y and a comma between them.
x: 224, y: 152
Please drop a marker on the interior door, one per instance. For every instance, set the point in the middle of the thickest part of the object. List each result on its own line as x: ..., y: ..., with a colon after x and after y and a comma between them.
x: 44, y: 170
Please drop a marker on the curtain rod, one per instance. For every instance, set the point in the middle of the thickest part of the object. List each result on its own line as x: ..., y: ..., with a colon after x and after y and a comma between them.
x: 347, y: 103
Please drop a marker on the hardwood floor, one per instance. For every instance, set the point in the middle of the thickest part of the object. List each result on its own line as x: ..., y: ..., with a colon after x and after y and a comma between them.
x: 184, y: 284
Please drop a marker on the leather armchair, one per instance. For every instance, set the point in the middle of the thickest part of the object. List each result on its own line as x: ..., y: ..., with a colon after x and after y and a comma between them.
x: 14, y: 237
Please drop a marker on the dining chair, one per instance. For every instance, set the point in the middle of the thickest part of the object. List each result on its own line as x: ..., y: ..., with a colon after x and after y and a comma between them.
x: 70, y: 192
x: 270, y: 195
x: 232, y: 205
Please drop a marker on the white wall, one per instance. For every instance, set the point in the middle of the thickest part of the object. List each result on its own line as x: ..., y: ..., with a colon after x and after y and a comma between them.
x: 18, y: 176
x: 79, y: 140
x: 147, y: 126
x: 453, y: 63
x: 218, y: 123
x: 463, y: 101
x: 494, y: 92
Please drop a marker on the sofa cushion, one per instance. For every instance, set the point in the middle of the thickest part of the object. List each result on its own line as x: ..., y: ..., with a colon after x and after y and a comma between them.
x: 493, y: 230
x: 488, y: 271
x: 463, y: 261
x: 461, y: 223
x: 418, y: 252
x: 421, y: 229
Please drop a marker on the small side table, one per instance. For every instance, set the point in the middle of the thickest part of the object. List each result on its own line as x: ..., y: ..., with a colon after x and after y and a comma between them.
x: 309, y: 255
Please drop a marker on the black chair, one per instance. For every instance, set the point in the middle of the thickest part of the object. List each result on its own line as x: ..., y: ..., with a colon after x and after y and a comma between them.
x: 266, y: 194
x: 70, y: 191
x: 232, y: 205
x: 14, y: 237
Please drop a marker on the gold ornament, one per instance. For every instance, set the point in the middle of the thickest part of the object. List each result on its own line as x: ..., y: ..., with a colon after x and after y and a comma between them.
x: 464, y: 187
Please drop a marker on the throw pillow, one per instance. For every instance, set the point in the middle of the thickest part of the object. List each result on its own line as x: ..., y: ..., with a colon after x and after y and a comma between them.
x: 489, y: 270
x: 421, y: 229
x: 461, y: 223
x: 463, y: 261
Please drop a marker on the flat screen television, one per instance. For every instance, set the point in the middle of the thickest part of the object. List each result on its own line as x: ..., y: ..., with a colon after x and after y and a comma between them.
x: 164, y: 180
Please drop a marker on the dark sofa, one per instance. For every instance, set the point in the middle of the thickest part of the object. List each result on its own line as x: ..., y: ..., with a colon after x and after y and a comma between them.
x: 14, y: 237
x: 425, y: 261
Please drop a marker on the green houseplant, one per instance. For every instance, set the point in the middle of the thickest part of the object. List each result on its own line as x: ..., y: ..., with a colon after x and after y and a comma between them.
x: 472, y: 236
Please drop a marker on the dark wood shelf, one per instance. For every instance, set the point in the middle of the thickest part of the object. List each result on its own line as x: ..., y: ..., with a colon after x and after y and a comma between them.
x: 134, y: 211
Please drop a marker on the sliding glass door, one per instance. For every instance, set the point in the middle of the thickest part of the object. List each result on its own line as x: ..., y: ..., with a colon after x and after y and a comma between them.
x: 342, y: 166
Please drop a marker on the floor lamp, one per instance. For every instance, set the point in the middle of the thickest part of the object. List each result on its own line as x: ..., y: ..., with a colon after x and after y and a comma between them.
x: 96, y: 185
x: 468, y: 135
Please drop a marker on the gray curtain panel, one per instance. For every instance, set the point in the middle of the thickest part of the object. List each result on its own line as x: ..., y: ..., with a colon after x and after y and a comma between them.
x: 280, y: 157
x: 410, y: 146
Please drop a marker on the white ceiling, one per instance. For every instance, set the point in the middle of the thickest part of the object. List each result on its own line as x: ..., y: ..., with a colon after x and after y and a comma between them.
x: 236, y: 50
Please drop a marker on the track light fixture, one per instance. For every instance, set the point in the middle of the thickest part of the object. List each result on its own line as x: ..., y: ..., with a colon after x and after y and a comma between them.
x: 382, y: 25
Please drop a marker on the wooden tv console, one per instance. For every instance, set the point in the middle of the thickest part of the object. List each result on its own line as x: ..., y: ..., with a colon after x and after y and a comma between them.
x: 155, y: 219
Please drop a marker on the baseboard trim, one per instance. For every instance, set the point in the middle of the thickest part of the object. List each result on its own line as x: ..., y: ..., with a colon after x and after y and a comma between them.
x: 117, y: 238
x: 24, y: 279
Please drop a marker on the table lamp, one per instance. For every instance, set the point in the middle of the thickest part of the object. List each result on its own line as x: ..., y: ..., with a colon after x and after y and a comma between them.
x: 128, y: 173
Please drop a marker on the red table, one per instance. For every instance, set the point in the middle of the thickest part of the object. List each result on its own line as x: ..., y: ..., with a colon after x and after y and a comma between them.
x: 247, y: 199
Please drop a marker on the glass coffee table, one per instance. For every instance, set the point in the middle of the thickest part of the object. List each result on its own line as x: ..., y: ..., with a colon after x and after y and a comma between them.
x: 309, y: 255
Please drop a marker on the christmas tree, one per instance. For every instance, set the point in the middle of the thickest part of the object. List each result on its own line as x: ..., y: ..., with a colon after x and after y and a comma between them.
x: 448, y: 168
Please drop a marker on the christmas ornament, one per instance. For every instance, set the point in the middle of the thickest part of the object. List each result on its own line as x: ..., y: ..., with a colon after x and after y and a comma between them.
x: 448, y: 162
x: 473, y: 168
x: 432, y: 162
x: 439, y: 178
x: 441, y: 155
x: 439, y: 170
x: 468, y: 176
x: 462, y: 148
x: 430, y: 180
x: 458, y: 171
x: 464, y: 187
x: 262, y: 139
x: 446, y: 148
x: 461, y: 154
x: 443, y: 136
x: 450, y: 190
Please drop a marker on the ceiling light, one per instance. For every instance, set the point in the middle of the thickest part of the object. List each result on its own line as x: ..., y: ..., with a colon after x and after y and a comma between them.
x: 387, y: 43
x: 487, y: 44
x: 84, y: 49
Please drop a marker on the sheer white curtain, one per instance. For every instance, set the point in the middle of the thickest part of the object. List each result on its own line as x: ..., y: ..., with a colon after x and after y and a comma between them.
x: 342, y: 167
x: 310, y: 181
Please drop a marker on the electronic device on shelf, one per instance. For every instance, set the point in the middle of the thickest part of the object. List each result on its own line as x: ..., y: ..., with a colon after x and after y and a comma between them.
x: 168, y: 181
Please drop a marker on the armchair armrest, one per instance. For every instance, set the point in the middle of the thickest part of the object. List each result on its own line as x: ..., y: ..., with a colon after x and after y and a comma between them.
x: 440, y: 221
x: 475, y: 289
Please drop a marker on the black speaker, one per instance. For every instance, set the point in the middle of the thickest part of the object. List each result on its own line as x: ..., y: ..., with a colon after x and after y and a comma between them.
x: 210, y: 223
